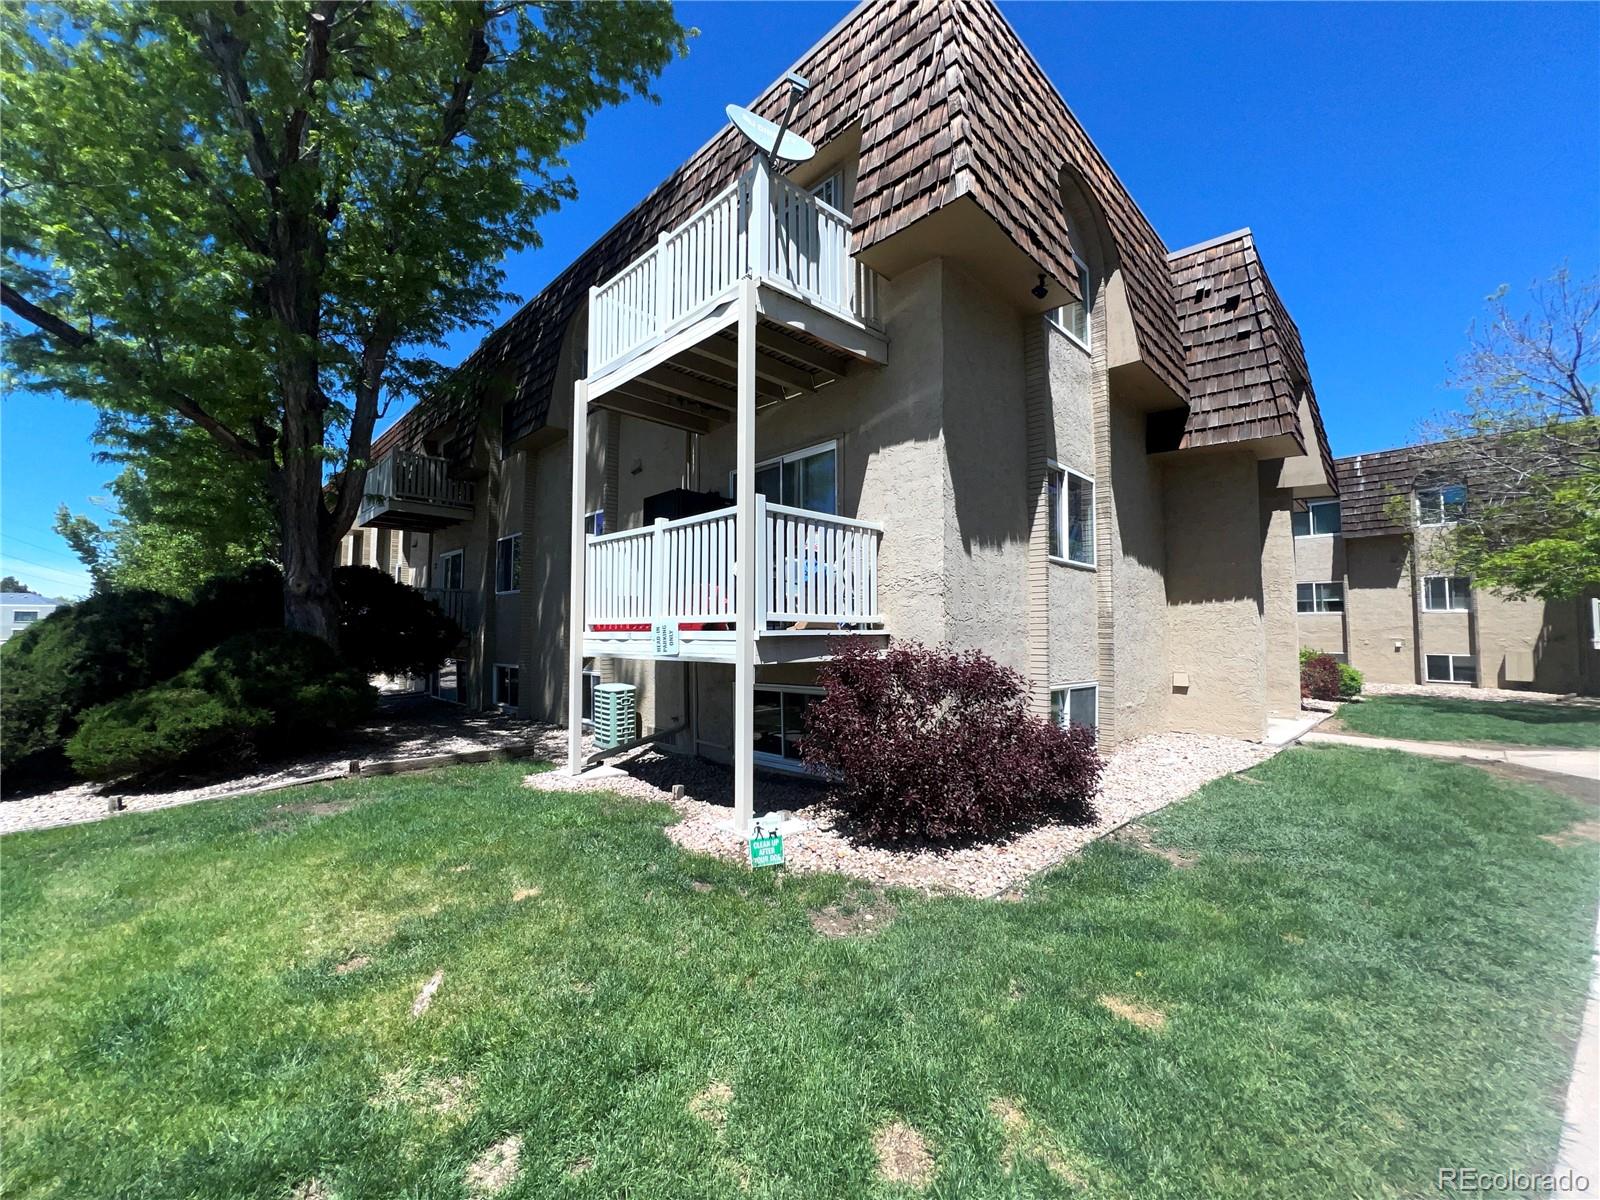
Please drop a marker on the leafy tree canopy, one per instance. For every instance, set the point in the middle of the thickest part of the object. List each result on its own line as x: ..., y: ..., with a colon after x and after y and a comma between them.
x: 254, y: 219
x: 1526, y: 443
x: 10, y: 583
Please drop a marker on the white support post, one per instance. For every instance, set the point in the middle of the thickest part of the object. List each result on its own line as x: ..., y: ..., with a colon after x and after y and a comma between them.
x: 576, y: 616
x: 658, y: 573
x: 744, y: 662
x: 759, y: 228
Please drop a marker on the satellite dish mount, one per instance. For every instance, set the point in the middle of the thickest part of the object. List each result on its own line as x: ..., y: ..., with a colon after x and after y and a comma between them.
x: 775, y: 142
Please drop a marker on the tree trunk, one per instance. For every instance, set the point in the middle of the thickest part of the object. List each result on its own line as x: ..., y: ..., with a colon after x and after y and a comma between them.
x: 309, y: 602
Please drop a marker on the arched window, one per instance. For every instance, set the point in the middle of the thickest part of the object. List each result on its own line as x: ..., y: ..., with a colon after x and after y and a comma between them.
x: 1075, y: 316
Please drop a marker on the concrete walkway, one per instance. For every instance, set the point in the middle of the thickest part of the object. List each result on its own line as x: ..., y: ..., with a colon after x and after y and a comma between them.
x: 1584, y: 764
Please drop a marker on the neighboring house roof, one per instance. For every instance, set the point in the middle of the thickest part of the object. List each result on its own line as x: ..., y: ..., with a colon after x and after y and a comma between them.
x: 1246, y: 364
x: 31, y: 599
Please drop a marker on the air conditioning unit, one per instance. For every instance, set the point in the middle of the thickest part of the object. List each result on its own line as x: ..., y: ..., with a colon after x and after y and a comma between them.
x: 616, y: 715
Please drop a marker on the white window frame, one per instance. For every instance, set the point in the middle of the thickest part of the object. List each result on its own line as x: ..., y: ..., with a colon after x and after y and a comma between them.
x: 836, y: 178
x: 1311, y: 522
x: 1061, y: 518
x: 1451, y: 660
x: 24, y: 616
x: 779, y: 762
x: 494, y: 685
x: 1066, y: 689
x: 1444, y: 516
x: 591, y: 680
x: 1451, y: 604
x: 516, y: 565
x: 439, y: 566
x: 594, y: 523
x: 1319, y: 601
x: 793, y: 455
x: 1059, y: 321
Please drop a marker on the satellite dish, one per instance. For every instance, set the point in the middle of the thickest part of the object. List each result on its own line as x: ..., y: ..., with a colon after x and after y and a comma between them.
x: 772, y: 140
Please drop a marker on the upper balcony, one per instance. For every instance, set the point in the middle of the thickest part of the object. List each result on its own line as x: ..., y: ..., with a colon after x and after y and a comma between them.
x: 413, y: 491
x: 818, y: 305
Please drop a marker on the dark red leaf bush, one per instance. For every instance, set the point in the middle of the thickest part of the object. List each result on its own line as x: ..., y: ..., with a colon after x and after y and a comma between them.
x: 935, y: 746
x: 1319, y: 677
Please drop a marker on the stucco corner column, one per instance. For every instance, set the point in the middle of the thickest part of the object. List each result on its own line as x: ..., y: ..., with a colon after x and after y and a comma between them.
x: 746, y: 631
x: 577, y: 576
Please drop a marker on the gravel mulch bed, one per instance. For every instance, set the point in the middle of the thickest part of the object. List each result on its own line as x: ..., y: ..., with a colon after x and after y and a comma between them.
x: 1457, y: 692
x: 1141, y: 776
x: 404, y: 727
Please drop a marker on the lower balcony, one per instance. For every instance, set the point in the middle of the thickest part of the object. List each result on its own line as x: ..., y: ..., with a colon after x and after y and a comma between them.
x: 457, y: 604
x: 667, y: 591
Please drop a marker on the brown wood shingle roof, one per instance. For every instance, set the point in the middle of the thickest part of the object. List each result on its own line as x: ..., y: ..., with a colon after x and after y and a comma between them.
x: 1246, y: 364
x: 950, y: 103
x: 1367, y: 482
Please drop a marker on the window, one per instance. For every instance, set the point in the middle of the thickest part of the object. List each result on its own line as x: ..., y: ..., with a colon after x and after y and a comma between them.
x: 1452, y: 668
x: 831, y: 192
x: 1441, y: 505
x: 1320, y: 517
x: 780, y: 720
x: 1073, y: 318
x: 1071, y: 523
x: 452, y: 570
x: 506, y: 690
x: 508, y: 564
x: 1076, y: 704
x: 1319, y: 597
x: 594, y: 523
x: 24, y: 616
x: 1446, y: 593
x: 805, y: 479
x: 445, y: 683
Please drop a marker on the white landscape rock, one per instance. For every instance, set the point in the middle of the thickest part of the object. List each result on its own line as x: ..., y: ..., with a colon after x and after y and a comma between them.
x: 1140, y: 777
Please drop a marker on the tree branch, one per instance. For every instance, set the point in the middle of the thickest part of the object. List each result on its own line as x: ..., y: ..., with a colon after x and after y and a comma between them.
x: 63, y: 331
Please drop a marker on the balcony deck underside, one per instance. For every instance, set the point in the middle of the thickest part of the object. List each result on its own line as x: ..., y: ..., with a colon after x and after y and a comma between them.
x: 719, y: 645
x: 688, y: 378
x: 413, y: 516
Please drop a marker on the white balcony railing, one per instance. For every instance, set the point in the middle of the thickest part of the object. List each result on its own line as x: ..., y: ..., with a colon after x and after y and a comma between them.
x: 401, y: 477
x: 800, y: 244
x: 813, y: 569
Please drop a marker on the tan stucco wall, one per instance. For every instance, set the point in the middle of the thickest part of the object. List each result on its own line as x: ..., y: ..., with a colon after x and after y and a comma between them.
x: 1073, y: 590
x: 1281, y: 664
x: 1140, y: 626
x: 1321, y: 631
x: 1319, y: 558
x: 1379, y: 615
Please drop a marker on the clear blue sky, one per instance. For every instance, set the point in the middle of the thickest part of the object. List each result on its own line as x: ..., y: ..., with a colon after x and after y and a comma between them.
x: 1397, y: 163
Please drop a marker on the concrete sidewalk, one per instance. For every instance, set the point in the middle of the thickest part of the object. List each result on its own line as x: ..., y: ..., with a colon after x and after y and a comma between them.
x: 1579, y: 1154
x: 1584, y: 764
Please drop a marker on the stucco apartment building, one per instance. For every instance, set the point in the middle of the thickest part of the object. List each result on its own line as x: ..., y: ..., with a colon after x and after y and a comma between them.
x: 942, y: 382
x: 1366, y: 590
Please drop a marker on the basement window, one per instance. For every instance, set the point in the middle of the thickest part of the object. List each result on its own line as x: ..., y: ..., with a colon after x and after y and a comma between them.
x: 1446, y: 593
x: 1452, y: 668
x: 1318, y: 519
x: 1076, y: 704
x: 507, y: 684
x: 1319, y: 597
x: 780, y: 714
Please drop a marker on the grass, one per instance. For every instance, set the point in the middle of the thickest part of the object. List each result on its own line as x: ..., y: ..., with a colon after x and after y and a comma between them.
x: 1373, y: 968
x: 1502, y: 722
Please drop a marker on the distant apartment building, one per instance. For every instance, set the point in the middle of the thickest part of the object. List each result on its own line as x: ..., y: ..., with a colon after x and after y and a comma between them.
x: 1365, y: 590
x: 18, y: 610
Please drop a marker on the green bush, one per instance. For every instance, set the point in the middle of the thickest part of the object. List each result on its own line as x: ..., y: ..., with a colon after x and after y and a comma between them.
x: 156, y: 728
x: 256, y: 691
x: 387, y: 628
x: 1351, y: 680
x: 81, y: 655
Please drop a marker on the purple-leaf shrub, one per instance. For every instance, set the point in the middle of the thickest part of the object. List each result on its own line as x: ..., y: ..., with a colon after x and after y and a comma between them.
x: 1319, y: 677
x: 931, y: 745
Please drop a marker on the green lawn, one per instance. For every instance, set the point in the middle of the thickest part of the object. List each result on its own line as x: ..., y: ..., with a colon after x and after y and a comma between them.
x: 1507, y: 722
x: 1373, y: 968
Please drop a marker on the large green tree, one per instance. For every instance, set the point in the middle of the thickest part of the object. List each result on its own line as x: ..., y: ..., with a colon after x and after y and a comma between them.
x: 256, y: 218
x: 1526, y: 440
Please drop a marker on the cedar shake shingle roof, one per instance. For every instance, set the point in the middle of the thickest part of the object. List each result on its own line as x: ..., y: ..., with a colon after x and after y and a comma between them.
x: 950, y: 104
x: 1366, y: 484
x: 1246, y: 364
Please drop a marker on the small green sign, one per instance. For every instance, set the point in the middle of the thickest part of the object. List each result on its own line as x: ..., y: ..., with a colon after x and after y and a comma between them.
x: 767, y: 851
